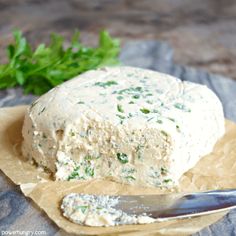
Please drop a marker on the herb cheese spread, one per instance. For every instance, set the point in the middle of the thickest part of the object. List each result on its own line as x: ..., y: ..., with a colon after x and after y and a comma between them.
x: 91, y: 210
x: 126, y: 124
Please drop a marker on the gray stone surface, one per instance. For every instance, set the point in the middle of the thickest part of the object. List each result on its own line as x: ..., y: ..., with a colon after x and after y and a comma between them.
x: 19, y: 213
x: 202, y: 32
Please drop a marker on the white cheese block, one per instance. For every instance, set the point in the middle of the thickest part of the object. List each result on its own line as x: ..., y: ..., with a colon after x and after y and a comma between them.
x: 128, y: 124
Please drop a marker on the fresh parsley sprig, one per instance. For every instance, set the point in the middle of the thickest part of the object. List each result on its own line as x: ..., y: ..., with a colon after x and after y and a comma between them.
x: 39, y: 70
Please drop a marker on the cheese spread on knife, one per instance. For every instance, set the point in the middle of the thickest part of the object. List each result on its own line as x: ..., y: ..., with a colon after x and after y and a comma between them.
x: 91, y: 210
x: 125, y: 124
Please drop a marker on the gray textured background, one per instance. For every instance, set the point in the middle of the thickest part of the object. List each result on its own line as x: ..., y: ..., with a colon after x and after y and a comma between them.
x: 19, y: 213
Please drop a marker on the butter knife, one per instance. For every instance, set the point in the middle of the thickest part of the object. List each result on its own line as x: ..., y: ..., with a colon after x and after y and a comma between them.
x: 178, y: 205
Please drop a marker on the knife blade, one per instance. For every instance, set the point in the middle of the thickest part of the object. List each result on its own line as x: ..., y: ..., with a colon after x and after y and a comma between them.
x: 178, y: 205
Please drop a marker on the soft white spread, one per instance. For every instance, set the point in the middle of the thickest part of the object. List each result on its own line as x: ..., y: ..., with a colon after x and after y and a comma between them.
x: 127, y: 124
x: 91, y: 210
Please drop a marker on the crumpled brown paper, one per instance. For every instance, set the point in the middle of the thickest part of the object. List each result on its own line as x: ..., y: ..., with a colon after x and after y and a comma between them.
x: 215, y: 171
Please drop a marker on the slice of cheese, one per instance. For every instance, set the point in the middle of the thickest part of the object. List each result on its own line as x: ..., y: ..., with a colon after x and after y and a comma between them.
x: 127, y: 124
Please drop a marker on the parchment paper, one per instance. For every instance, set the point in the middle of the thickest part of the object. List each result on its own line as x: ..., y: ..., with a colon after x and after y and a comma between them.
x: 214, y: 171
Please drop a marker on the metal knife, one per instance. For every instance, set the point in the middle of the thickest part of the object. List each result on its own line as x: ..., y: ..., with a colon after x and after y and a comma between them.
x: 178, y: 205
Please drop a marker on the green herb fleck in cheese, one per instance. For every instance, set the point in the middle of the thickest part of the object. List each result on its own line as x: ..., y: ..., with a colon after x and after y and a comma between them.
x: 83, y: 209
x: 182, y: 107
x: 120, y: 116
x: 136, y: 96
x: 120, y: 98
x: 74, y: 174
x: 145, y: 110
x: 164, y: 170
x: 40, y: 112
x: 120, y: 108
x: 106, y: 84
x: 89, y: 171
x: 122, y: 157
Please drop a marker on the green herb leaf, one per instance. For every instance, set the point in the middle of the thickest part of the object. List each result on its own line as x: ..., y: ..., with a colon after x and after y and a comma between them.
x: 166, y: 181
x: 130, y: 177
x: 72, y: 133
x: 120, y: 98
x: 182, y: 107
x: 74, y: 174
x: 40, y: 112
x: 122, y: 157
x: 164, y: 133
x: 177, y: 128
x: 120, y: 116
x: 136, y: 96
x: 39, y: 70
x: 164, y: 170
x: 145, y: 110
x: 89, y: 171
x: 88, y: 158
x: 149, y: 94
x: 120, y: 108
x: 82, y: 208
x: 130, y: 90
x: 171, y: 119
x: 106, y: 84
